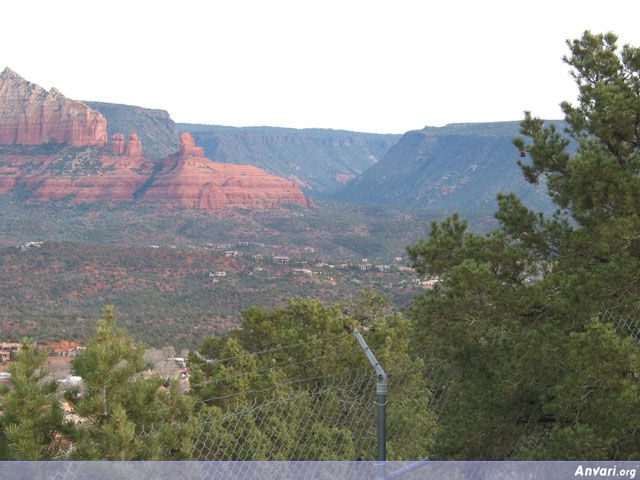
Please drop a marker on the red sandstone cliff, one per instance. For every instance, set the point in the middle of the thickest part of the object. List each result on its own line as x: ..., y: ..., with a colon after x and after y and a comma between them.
x: 117, y: 180
x: 29, y: 115
x: 117, y: 146
x: 134, y: 147
x: 191, y: 180
x: 186, y: 180
x: 188, y: 146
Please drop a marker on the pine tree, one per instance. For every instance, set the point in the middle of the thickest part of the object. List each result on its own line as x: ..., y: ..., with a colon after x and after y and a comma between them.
x: 32, y: 418
x: 540, y: 319
x: 127, y: 417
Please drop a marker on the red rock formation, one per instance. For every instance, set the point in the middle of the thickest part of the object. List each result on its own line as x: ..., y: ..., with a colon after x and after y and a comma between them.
x: 188, y: 147
x: 29, y: 115
x: 197, y: 182
x: 186, y: 180
x: 116, y: 186
x: 117, y: 146
x: 134, y: 147
x: 192, y: 182
x: 121, y: 177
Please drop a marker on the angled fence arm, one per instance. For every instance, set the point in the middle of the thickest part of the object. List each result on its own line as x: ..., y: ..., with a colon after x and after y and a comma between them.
x: 381, y: 396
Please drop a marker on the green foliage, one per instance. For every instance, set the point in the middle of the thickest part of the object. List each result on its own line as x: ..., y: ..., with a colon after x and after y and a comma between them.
x: 118, y: 404
x: 538, y: 320
x: 32, y: 416
x: 291, y: 383
x: 297, y: 385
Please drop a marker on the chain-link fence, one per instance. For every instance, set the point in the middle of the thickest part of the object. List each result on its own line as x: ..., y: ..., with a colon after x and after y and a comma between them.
x: 319, y: 417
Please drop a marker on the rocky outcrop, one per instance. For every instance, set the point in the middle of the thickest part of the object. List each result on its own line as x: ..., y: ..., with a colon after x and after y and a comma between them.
x: 132, y: 149
x: 134, y: 146
x: 29, y: 115
x: 191, y: 180
x: 154, y: 127
x: 188, y: 146
x: 197, y: 182
x: 118, y: 146
x: 185, y: 180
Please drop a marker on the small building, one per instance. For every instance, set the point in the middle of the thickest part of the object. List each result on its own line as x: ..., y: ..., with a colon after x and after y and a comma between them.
x: 180, y: 361
x: 71, y: 381
x: 281, y: 260
x: 429, y: 284
x: 303, y: 271
x: 7, y: 349
x: 406, y: 269
x: 64, y: 348
x: 28, y: 245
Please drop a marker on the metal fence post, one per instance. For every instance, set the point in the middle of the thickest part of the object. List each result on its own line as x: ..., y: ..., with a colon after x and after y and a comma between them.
x: 381, y: 401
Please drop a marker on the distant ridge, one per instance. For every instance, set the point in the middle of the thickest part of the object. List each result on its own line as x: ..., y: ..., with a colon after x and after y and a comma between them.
x: 319, y: 160
x: 455, y: 167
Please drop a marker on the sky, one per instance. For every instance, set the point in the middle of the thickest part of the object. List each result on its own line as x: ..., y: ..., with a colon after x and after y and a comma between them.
x: 371, y: 66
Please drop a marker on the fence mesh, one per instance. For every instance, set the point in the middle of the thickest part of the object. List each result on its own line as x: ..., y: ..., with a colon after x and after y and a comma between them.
x: 324, y: 408
x: 320, y: 417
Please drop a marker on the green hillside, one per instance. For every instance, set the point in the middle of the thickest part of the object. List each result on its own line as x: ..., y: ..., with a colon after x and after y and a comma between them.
x: 455, y: 167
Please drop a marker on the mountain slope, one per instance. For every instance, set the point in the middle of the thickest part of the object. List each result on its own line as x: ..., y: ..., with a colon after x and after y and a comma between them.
x: 455, y: 167
x: 318, y: 160
x: 155, y: 128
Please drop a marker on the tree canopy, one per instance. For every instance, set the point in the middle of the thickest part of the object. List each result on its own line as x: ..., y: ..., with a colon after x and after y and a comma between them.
x: 539, y: 320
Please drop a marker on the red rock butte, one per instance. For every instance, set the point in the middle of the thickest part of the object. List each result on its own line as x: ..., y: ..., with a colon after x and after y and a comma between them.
x: 29, y: 115
x: 191, y: 180
x: 188, y: 146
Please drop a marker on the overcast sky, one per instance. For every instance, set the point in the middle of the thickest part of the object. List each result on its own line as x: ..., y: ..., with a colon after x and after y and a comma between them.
x: 376, y: 66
